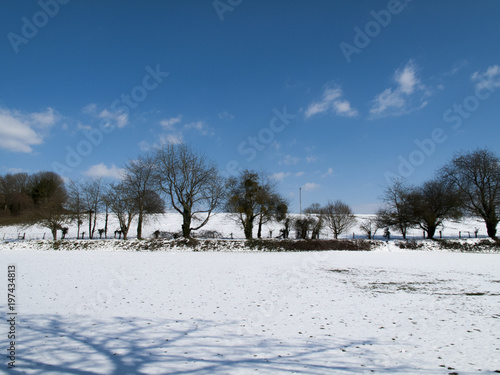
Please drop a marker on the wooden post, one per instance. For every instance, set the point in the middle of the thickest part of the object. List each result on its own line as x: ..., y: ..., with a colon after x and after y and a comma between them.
x: 459, y: 234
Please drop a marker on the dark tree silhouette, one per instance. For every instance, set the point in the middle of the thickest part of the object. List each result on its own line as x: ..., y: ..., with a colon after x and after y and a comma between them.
x: 477, y: 176
x: 192, y: 183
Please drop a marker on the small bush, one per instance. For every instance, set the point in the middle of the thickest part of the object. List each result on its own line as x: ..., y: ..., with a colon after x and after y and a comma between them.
x: 463, y: 246
x: 410, y: 245
x: 309, y: 245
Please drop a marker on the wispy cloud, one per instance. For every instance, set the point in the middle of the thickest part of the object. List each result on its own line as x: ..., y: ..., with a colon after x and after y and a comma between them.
x: 457, y: 66
x: 101, y: 170
x: 19, y: 132
x: 408, y: 95
x: 201, y: 127
x: 173, y: 139
x: 224, y: 115
x: 169, y: 123
x: 489, y: 79
x: 310, y: 186
x: 311, y: 158
x: 117, y: 118
x: 280, y: 176
x: 289, y: 160
x: 299, y: 174
x: 329, y: 172
x: 331, y: 101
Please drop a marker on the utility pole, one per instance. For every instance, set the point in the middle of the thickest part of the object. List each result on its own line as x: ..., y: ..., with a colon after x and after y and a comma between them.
x: 300, y: 200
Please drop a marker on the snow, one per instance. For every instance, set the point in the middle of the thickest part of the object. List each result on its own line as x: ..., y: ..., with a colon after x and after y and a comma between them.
x: 114, y: 310
x: 226, y: 225
x: 327, y: 312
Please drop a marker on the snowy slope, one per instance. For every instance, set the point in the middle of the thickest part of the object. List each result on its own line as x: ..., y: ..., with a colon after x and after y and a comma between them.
x: 227, y: 225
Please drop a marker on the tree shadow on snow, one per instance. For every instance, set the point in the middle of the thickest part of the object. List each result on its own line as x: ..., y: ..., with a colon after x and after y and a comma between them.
x: 83, y: 345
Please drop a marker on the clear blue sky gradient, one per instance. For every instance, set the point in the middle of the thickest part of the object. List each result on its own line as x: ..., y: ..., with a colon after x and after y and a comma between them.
x: 331, y: 96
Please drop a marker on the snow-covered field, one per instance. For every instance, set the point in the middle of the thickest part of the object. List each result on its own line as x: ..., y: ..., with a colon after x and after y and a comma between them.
x: 83, y: 312
x: 111, y: 311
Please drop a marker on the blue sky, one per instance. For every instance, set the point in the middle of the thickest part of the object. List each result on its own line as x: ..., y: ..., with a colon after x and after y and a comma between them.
x: 333, y: 97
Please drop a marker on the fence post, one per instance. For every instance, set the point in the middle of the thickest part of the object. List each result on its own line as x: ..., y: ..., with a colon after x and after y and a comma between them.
x: 459, y: 234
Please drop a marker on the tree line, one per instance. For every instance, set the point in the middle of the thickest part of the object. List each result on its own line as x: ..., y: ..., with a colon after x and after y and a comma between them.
x: 468, y: 185
x: 193, y: 186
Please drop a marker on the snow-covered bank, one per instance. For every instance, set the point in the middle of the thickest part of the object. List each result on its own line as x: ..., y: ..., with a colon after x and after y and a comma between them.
x: 218, y: 245
x: 409, y: 312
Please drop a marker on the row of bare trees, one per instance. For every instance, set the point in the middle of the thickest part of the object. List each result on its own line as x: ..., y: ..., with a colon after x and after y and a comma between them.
x: 468, y: 185
x: 187, y: 179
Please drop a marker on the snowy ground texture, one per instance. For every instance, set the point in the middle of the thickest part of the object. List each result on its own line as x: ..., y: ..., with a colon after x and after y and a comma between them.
x: 387, y: 311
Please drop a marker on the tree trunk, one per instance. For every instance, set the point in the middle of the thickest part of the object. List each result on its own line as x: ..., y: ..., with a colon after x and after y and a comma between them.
x: 139, y: 226
x: 431, y: 231
x: 248, y: 229
x: 186, y: 224
x: 491, y: 227
x: 54, y: 232
x: 106, y: 224
x: 78, y: 223
x: 90, y: 224
x: 259, y: 231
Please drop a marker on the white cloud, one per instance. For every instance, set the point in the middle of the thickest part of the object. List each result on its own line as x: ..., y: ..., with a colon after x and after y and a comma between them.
x: 20, y: 131
x: 101, y: 170
x: 310, y: 186
x: 45, y: 119
x: 311, y: 158
x: 490, y: 79
x: 168, y: 124
x: 90, y: 108
x: 459, y: 65
x: 407, y: 79
x: 331, y: 100
x: 289, y: 160
x: 120, y: 118
x: 280, y: 176
x: 299, y: 174
x: 201, y: 127
x: 81, y: 126
x: 224, y: 115
x: 145, y: 146
x: 329, y: 172
x: 173, y: 139
x: 406, y: 97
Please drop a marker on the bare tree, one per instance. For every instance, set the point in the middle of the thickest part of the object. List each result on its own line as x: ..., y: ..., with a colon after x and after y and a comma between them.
x: 75, y: 204
x: 139, y: 180
x: 370, y: 227
x: 398, y: 211
x: 317, y: 219
x: 124, y: 205
x: 477, y: 176
x: 433, y: 202
x: 338, y: 217
x: 92, y: 197
x: 192, y: 183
